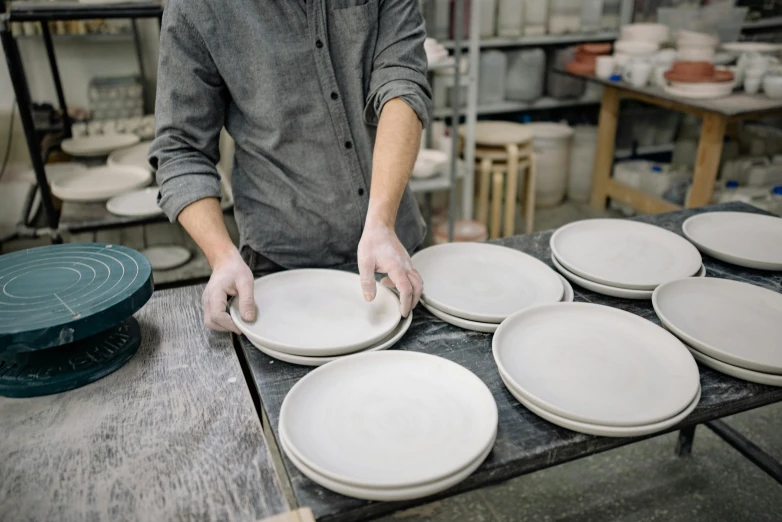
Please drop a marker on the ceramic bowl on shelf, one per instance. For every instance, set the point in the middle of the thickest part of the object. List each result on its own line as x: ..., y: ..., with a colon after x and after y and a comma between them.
x: 636, y: 47
x: 658, y: 33
x: 694, y: 38
x: 697, y: 72
x: 772, y: 86
x: 696, y: 53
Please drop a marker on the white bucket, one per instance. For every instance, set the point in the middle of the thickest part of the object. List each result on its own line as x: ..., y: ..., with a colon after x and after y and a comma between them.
x: 552, y: 143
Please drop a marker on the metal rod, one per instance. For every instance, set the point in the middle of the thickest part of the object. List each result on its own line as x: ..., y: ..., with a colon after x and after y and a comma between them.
x: 458, y: 20
x: 140, y: 58
x: 468, y: 185
x: 747, y: 448
x: 19, y: 81
x: 685, y: 440
x: 47, y: 40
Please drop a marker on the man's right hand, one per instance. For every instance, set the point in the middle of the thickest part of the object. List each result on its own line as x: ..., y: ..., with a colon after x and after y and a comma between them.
x: 231, y: 277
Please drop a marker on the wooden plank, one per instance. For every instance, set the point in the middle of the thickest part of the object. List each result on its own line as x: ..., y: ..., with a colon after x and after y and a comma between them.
x: 606, y: 140
x: 525, y: 442
x: 671, y: 104
x: 172, y: 435
x: 707, y: 163
x: 640, y: 201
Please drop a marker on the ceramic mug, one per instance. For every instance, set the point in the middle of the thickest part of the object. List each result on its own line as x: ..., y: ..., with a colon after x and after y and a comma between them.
x: 752, y: 84
x: 637, y: 73
x: 659, y: 76
x: 604, y: 66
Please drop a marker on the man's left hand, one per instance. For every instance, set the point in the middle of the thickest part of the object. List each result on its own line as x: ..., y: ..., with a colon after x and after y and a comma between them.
x: 381, y: 251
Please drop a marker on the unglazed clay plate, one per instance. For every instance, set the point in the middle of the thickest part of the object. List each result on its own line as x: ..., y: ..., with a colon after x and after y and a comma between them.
x: 596, y: 364
x: 387, y: 494
x: 485, y: 283
x: 55, y: 171
x: 734, y: 322
x: 599, y: 430
x: 318, y: 313
x: 486, y: 327
x: 613, y: 291
x: 625, y: 254
x: 167, y: 257
x: 385, y: 344
x: 139, y: 203
x: 735, y: 371
x: 740, y: 238
x: 393, y: 419
x: 101, y: 183
x: 102, y: 145
x: 135, y: 156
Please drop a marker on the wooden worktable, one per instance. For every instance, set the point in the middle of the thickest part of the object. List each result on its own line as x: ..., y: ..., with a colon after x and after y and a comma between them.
x: 172, y: 435
x: 715, y: 114
x: 525, y: 442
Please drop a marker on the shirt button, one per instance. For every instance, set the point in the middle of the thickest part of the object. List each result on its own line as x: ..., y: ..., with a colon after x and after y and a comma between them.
x: 361, y: 192
x: 318, y: 44
x: 348, y: 145
x: 334, y: 95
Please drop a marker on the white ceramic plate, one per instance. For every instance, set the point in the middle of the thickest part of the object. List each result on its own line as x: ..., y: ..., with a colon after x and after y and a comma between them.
x: 613, y: 291
x: 392, y: 419
x: 135, y: 156
x: 625, y: 254
x: 429, y: 163
x: 318, y: 313
x: 483, y: 282
x: 735, y: 371
x: 387, y: 343
x: 477, y: 326
x: 596, y: 364
x: 605, y: 431
x: 93, y: 146
x: 101, y: 183
x: 139, y: 203
x: 705, y: 94
x: 751, y: 47
x: 749, y: 240
x: 386, y: 494
x: 737, y: 323
x: 55, y: 171
x: 167, y: 257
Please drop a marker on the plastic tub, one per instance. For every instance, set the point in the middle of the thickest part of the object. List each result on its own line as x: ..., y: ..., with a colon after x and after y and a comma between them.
x: 438, y: 19
x: 552, y: 143
x: 560, y: 85
x: 591, y: 15
x: 488, y: 9
x: 491, y: 83
x: 510, y: 18
x: 525, y: 74
x: 564, y: 16
x: 535, y: 17
x: 611, y: 14
x: 582, y: 162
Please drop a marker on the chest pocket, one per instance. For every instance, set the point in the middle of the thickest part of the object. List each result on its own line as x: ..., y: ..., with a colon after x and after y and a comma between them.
x: 353, y: 26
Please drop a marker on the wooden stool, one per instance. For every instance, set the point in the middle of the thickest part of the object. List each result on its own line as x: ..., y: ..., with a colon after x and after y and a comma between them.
x: 504, y: 148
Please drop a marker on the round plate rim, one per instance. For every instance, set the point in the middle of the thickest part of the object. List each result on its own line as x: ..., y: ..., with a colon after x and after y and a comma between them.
x: 483, y: 318
x: 302, y: 360
x: 738, y: 372
x: 112, y: 202
x: 702, y: 347
x: 185, y: 257
x: 115, y: 159
x: 591, y: 277
x: 311, y: 352
x: 142, y: 178
x: 488, y: 399
x: 131, y: 140
x: 544, y: 404
x: 721, y: 255
x: 16, y: 340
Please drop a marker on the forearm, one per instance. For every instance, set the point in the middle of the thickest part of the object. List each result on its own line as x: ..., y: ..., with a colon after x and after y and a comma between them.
x: 203, y: 220
x: 396, y: 147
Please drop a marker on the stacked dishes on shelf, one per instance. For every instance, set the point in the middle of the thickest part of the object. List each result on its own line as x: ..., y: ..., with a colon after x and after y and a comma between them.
x: 622, y: 258
x: 596, y: 369
x: 312, y: 317
x: 730, y: 326
x: 476, y: 286
x: 388, y: 426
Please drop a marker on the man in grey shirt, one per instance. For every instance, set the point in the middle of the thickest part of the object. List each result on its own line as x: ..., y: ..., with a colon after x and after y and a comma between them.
x: 326, y: 100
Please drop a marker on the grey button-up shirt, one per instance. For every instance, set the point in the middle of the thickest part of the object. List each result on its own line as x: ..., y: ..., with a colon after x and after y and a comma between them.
x: 299, y: 85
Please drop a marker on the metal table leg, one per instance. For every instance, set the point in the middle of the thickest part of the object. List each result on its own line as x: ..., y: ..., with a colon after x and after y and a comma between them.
x: 684, y: 443
x: 47, y: 40
x: 747, y: 448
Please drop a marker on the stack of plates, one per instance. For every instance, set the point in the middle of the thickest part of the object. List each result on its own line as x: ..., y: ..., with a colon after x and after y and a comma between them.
x: 732, y: 327
x: 100, y: 183
x: 311, y: 317
x: 476, y: 286
x: 596, y: 369
x: 388, y: 426
x: 749, y: 240
x: 623, y: 258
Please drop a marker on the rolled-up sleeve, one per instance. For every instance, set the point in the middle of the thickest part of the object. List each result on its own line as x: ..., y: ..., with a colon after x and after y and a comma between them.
x: 399, y: 69
x: 189, y: 114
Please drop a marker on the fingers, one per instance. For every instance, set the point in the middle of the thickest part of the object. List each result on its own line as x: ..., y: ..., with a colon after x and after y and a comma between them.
x: 215, y: 316
x: 418, y: 286
x: 402, y: 282
x: 245, y: 289
x: 366, y: 271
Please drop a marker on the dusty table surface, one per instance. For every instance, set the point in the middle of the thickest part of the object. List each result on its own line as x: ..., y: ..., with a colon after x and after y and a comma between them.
x: 525, y: 442
x: 172, y: 435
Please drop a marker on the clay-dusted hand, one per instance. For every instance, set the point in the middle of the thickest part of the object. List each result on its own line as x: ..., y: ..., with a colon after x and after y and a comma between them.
x: 231, y: 277
x: 380, y: 251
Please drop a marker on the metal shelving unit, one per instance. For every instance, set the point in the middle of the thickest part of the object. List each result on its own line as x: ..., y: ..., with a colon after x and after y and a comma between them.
x: 43, y: 13
x: 542, y: 40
